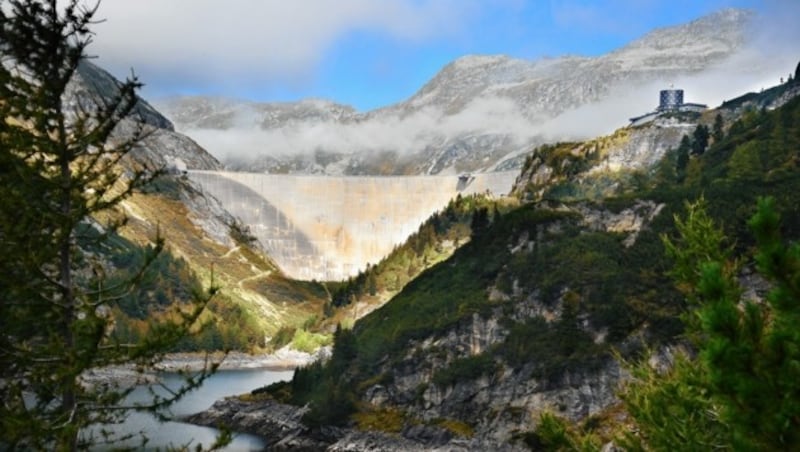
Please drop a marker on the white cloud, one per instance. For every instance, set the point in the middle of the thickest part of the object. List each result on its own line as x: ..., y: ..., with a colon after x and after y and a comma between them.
x: 253, y: 41
x: 214, y: 41
x: 749, y: 70
x: 408, y: 134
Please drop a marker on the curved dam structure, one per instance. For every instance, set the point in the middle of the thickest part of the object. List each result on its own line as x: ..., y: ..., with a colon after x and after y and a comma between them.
x: 329, y: 227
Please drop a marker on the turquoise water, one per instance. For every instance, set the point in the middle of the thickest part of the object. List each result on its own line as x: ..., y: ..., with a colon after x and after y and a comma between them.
x: 178, y: 434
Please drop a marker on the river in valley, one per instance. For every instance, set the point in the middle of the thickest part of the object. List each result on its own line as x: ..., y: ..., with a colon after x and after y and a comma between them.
x: 163, y: 435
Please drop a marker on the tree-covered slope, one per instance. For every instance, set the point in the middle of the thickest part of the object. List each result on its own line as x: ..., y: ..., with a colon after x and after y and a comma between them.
x: 531, y: 315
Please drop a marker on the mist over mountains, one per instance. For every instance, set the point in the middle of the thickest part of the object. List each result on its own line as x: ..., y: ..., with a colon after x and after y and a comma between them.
x: 481, y: 112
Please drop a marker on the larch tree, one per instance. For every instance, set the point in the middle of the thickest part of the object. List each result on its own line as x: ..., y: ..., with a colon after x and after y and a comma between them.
x: 64, y: 159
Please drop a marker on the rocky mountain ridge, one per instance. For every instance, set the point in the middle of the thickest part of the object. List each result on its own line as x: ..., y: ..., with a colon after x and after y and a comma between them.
x: 477, y: 113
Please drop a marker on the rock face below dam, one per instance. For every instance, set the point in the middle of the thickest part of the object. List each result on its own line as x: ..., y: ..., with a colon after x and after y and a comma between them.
x: 329, y: 228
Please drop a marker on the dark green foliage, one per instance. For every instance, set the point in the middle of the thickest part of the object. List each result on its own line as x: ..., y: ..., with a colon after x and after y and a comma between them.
x: 742, y: 390
x: 752, y: 355
x: 345, y: 349
x: 465, y: 369
x: 429, y: 303
x: 333, y: 406
x: 671, y: 409
x: 552, y: 349
x: 233, y: 328
x: 454, y: 291
x: 328, y: 389
x: 745, y: 162
x: 797, y: 73
x: 682, y: 158
x: 757, y: 100
x: 718, y: 131
x: 165, y: 280
x: 62, y: 166
x: 674, y: 409
x: 480, y: 222
x: 700, y: 139
x: 555, y: 434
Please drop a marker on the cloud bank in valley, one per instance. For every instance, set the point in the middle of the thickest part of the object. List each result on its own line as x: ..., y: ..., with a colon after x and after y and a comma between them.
x: 407, y: 134
x: 770, y: 55
x: 747, y: 71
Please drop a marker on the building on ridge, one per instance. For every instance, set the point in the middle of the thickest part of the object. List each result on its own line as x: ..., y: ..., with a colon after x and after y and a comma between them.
x: 669, y: 101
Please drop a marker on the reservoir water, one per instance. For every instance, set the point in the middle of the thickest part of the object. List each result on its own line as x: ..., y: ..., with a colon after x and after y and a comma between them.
x: 162, y: 435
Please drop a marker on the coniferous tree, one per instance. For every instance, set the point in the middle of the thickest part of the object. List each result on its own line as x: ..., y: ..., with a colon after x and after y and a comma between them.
x: 742, y: 390
x: 700, y: 139
x: 682, y: 158
x: 718, y: 131
x: 797, y: 73
x: 480, y: 221
x: 61, y: 157
x: 372, y: 285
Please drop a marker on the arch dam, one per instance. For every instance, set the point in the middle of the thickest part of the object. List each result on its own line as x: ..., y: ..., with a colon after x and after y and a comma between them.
x: 330, y: 227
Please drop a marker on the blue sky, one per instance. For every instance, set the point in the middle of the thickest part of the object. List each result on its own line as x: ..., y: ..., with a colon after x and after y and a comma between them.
x: 365, y: 53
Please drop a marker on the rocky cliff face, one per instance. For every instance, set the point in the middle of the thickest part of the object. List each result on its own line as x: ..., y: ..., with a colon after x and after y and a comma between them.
x: 196, y: 228
x: 598, y: 165
x: 477, y: 113
x: 496, y: 406
x: 506, y: 398
x: 92, y: 86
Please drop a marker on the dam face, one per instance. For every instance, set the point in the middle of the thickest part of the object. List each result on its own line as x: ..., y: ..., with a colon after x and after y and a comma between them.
x: 330, y: 228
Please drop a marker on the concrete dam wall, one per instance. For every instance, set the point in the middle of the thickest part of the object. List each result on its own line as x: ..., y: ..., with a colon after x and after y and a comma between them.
x: 329, y: 228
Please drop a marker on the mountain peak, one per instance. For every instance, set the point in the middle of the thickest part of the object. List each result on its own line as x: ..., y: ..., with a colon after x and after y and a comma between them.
x: 481, y: 111
x: 724, y: 26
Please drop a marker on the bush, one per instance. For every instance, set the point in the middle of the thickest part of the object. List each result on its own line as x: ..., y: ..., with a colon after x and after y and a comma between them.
x: 465, y: 369
x: 306, y: 341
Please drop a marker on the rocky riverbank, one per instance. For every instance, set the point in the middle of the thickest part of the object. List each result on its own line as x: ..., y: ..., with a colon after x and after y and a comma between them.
x: 280, y: 426
x: 283, y: 359
x: 129, y: 374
